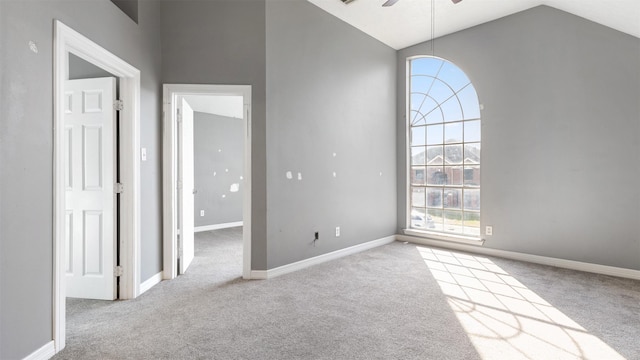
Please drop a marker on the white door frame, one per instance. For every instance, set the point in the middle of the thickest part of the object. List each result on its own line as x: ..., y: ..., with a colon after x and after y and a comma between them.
x: 171, y: 92
x: 67, y: 40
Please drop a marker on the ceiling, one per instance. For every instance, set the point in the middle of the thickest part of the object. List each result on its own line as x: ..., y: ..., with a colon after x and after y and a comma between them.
x: 408, y: 22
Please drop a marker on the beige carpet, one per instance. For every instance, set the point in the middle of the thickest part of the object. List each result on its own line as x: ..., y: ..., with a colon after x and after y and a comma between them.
x: 399, y: 301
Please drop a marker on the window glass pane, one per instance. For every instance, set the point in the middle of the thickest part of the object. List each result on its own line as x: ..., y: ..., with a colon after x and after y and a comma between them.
x: 454, y: 175
x: 472, y: 223
x: 418, y: 155
x: 417, y: 135
x: 453, y: 76
x: 452, y: 110
x: 472, y: 153
x: 434, y: 197
x: 452, y: 199
x: 434, y: 134
x: 435, y: 175
x: 417, y: 175
x: 421, y: 84
x: 416, y: 100
x: 453, y: 221
x: 453, y: 133
x: 453, y: 154
x: 469, y: 100
x: 418, y: 197
x: 434, y: 116
x: 418, y: 218
x: 416, y: 118
x: 445, y: 149
x: 436, y: 219
x: 472, y: 199
x: 440, y: 92
x: 424, y: 105
x: 435, y: 155
x: 426, y: 66
x: 471, y: 175
x: 472, y: 131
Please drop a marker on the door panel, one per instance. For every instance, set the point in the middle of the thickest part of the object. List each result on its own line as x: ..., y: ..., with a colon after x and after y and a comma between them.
x: 187, y: 181
x: 90, y: 177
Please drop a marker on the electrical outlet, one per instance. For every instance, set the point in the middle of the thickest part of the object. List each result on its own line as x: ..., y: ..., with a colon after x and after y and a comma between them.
x: 337, y: 231
x: 488, y: 230
x: 201, y: 212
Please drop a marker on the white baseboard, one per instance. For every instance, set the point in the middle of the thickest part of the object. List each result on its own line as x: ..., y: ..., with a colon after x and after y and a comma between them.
x: 44, y: 353
x: 302, y: 264
x: 536, y: 259
x: 217, y: 226
x: 258, y: 275
x: 151, y: 282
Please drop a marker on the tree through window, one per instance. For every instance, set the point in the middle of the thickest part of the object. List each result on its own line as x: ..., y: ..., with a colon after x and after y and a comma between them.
x: 444, y: 131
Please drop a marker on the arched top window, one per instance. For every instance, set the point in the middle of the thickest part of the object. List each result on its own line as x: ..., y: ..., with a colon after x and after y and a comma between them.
x: 444, y: 129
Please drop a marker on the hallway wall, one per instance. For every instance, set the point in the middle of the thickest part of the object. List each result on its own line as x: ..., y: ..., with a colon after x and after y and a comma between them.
x: 26, y: 151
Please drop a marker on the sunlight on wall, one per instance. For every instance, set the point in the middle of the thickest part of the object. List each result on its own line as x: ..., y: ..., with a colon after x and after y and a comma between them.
x: 503, y: 318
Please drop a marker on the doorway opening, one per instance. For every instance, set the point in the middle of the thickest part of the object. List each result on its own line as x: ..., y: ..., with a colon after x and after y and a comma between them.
x: 179, y: 188
x: 68, y: 43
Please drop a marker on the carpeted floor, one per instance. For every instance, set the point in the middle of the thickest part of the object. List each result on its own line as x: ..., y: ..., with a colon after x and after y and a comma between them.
x: 399, y: 301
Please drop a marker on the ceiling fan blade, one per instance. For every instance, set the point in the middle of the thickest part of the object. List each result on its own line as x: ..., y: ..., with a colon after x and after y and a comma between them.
x: 391, y: 2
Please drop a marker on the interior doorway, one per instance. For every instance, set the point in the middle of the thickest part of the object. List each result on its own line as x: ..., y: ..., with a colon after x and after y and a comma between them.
x: 179, y: 191
x: 71, y: 43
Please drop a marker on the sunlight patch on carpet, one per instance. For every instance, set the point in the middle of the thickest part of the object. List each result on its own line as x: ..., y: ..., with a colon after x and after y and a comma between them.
x: 503, y: 318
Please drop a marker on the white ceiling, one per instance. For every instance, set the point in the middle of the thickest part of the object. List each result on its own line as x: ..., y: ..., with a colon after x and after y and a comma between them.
x: 408, y: 22
x: 229, y: 106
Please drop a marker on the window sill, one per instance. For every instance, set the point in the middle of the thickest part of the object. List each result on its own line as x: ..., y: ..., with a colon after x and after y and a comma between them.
x: 444, y: 237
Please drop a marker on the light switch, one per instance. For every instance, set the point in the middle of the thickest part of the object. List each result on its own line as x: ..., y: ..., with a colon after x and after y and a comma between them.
x: 143, y: 154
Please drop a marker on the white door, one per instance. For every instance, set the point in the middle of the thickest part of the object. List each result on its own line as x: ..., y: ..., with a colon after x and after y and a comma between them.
x: 186, y: 184
x: 90, y: 178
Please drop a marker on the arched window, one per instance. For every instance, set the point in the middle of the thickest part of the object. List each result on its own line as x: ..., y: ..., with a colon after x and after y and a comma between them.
x: 444, y: 148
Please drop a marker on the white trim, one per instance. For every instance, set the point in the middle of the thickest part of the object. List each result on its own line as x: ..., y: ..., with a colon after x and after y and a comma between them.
x: 536, y: 259
x: 217, y: 226
x: 303, y: 264
x: 45, y: 352
x: 171, y: 92
x: 407, y: 143
x: 68, y: 41
x: 259, y: 274
x: 445, y: 237
x: 150, y: 282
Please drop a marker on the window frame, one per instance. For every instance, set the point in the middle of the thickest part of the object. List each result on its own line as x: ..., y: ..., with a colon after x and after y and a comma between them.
x: 428, y: 233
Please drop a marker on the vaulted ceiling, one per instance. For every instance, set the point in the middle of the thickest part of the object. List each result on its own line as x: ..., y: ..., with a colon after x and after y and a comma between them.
x: 408, y: 22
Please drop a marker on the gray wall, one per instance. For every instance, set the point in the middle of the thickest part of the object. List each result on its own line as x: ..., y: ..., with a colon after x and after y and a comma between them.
x: 218, y: 164
x: 560, y: 134
x: 26, y: 147
x: 330, y: 89
x: 223, y: 42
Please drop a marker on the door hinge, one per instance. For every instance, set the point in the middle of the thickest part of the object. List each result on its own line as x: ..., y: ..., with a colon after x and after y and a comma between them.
x: 119, y: 188
x: 179, y: 184
x: 118, y: 271
x: 178, y: 115
x: 118, y: 105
